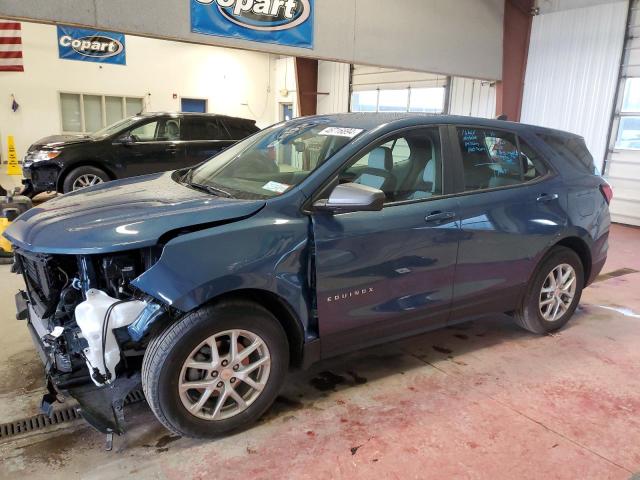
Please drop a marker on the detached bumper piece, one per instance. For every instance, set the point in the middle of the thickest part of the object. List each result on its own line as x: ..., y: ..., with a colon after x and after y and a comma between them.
x: 103, y: 407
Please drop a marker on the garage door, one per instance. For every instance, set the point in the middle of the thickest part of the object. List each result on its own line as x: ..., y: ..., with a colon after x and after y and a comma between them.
x: 377, y: 89
x: 623, y: 160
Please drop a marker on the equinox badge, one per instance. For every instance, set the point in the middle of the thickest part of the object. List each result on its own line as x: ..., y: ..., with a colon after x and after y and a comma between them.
x: 350, y: 294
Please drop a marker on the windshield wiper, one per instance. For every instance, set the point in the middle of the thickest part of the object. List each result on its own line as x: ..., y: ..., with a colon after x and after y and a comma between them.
x: 210, y: 189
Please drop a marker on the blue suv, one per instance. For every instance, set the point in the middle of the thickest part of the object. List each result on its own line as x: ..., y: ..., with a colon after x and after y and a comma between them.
x: 308, y: 239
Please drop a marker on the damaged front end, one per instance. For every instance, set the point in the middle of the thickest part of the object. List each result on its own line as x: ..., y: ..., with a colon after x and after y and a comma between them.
x: 90, y: 327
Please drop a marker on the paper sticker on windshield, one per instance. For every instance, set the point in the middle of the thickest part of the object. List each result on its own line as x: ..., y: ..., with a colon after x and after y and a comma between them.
x: 276, y: 187
x: 341, y: 132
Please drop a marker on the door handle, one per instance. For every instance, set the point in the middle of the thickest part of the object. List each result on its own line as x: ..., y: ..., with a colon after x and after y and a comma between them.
x: 172, y: 149
x: 439, y: 216
x: 547, y: 197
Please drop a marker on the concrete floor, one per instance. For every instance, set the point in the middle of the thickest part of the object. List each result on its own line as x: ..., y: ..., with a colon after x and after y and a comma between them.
x: 481, y: 400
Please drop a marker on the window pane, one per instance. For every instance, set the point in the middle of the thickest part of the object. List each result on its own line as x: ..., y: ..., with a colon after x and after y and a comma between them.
x: 70, y: 106
x: 114, y: 109
x: 419, y: 177
x: 169, y: 130
x: 145, y: 133
x: 134, y: 106
x: 490, y: 159
x: 92, y: 113
x: 364, y: 101
x: 430, y: 100
x: 393, y: 100
x: 631, y: 100
x: 629, y: 133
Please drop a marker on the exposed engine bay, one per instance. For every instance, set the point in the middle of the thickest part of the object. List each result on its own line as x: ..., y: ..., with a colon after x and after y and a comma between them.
x: 90, y: 326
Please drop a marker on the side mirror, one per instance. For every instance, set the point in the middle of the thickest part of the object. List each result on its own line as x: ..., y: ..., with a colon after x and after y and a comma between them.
x: 352, y: 197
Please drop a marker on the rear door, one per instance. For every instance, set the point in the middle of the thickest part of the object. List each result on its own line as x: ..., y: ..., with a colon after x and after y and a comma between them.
x: 204, y: 137
x: 387, y: 274
x: 150, y: 147
x: 510, y: 208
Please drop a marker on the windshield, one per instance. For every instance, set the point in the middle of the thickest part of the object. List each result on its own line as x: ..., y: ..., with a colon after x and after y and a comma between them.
x: 115, y: 127
x: 271, y: 162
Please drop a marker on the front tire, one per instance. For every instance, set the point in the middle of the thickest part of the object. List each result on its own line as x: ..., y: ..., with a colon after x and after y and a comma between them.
x: 553, y: 293
x: 217, y: 370
x: 83, y: 177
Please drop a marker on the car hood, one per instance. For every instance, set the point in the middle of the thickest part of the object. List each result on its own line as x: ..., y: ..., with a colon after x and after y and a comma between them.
x: 59, y: 141
x: 121, y: 215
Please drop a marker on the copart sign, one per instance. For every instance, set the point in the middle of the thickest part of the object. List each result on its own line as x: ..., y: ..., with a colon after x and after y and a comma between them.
x: 91, y: 45
x: 285, y: 22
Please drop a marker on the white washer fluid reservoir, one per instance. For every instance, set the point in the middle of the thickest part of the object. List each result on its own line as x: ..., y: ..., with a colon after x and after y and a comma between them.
x: 90, y: 316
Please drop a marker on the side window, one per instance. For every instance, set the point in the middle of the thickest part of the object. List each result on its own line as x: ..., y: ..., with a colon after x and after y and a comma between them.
x: 145, y: 133
x: 163, y: 130
x: 490, y: 159
x: 205, y: 129
x: 407, y: 167
x: 532, y: 165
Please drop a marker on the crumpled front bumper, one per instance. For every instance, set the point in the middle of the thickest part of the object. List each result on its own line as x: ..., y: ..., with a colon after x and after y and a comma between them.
x: 102, y: 407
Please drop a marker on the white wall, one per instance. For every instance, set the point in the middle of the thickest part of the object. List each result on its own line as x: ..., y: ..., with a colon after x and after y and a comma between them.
x: 474, y: 98
x: 572, y: 71
x: 550, y: 6
x: 235, y: 82
x: 285, y: 82
x: 333, y: 78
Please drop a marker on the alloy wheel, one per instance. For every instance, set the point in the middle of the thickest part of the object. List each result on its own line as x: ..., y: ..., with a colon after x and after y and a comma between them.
x: 224, y: 375
x: 86, y: 180
x: 558, y: 291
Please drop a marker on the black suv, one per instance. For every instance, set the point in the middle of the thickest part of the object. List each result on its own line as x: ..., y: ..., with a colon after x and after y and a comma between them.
x: 146, y: 143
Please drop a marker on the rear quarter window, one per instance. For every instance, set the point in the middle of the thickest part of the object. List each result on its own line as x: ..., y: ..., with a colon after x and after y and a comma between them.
x: 573, y: 150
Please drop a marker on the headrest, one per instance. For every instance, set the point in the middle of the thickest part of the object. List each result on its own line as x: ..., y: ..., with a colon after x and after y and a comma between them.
x: 429, y: 174
x: 421, y: 148
x: 172, y: 127
x: 381, y: 158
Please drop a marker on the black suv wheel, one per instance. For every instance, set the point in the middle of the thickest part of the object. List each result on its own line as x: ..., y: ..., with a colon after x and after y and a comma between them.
x: 83, y: 177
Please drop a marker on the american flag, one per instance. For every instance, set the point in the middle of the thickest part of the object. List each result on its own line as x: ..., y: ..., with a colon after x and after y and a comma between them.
x: 10, y: 47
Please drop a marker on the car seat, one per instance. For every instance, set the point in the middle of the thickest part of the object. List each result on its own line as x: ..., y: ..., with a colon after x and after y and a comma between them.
x: 378, y: 173
x: 172, y: 130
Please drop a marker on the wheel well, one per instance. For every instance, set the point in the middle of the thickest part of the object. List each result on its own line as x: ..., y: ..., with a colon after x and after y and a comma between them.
x: 582, y: 250
x: 283, y: 313
x: 88, y: 163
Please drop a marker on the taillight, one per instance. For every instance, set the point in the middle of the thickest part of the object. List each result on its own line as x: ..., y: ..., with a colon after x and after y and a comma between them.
x: 607, y: 192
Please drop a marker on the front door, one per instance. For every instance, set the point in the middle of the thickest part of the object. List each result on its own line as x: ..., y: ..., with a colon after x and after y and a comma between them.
x: 154, y: 146
x: 387, y: 274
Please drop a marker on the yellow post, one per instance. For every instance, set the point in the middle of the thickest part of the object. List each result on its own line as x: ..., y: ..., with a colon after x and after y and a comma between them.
x: 13, y: 167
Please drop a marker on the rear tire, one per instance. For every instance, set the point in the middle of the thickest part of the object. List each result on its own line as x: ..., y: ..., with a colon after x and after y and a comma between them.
x: 550, y: 300
x: 83, y: 177
x: 236, y: 394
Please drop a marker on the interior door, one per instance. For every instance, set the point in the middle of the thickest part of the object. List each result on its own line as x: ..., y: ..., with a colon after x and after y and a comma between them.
x: 154, y: 146
x: 387, y: 274
x: 509, y: 213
